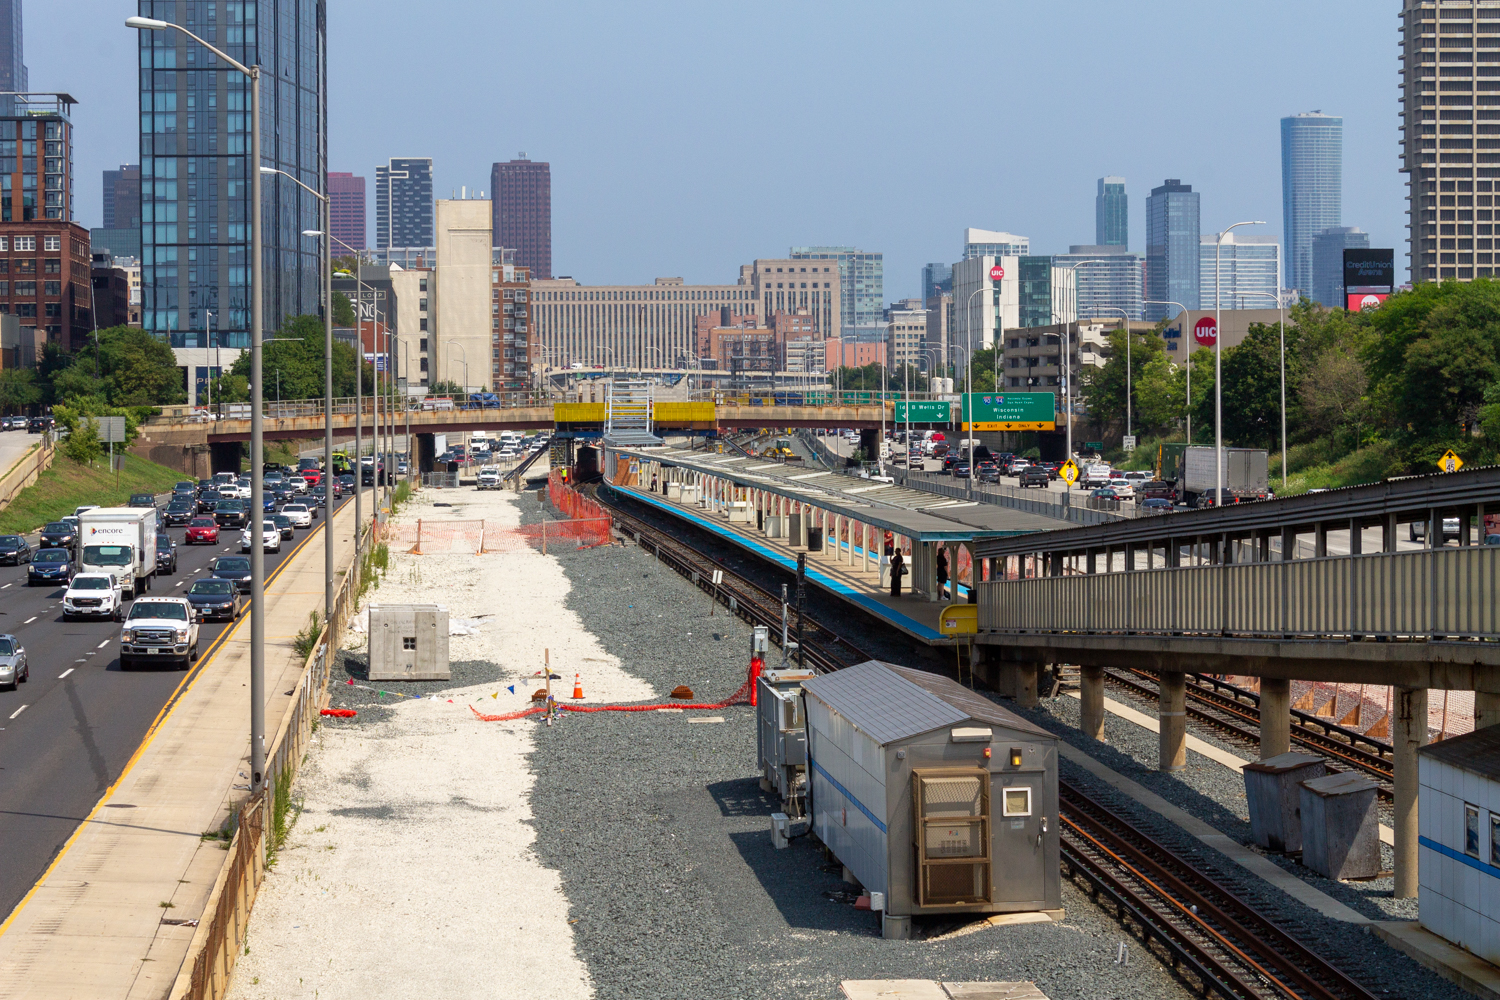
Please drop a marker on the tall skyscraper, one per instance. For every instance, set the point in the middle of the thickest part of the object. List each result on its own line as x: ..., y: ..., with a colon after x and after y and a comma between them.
x: 1171, y: 248
x: 12, y: 66
x: 1312, y: 185
x: 1111, y: 279
x: 1328, y: 262
x: 122, y: 197
x: 403, y: 203
x: 1249, y: 268
x: 522, y: 195
x: 936, y: 279
x: 1111, y: 213
x: 986, y: 243
x: 1446, y: 178
x: 195, y: 171
x: 346, y: 209
x: 862, y: 282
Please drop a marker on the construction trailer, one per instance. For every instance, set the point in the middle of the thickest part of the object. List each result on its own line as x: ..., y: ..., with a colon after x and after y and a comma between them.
x: 936, y: 799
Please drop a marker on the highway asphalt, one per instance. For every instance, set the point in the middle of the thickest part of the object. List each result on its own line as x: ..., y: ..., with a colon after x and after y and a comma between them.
x: 67, y: 734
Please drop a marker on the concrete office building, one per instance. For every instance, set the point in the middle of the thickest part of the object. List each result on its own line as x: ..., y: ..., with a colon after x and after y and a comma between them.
x: 906, y: 334
x: 1249, y: 267
x: 195, y: 181
x: 1312, y: 186
x: 1451, y: 175
x: 1032, y: 357
x: 403, y: 203
x: 626, y: 326
x: 790, y: 285
x: 346, y: 209
x: 1113, y: 279
x: 982, y: 307
x: 460, y: 346
x: 12, y: 55
x: 1180, y: 337
x: 1172, y: 234
x: 936, y: 345
x: 522, y: 193
x: 936, y: 278
x: 122, y: 197
x: 1328, y: 249
x: 987, y: 243
x: 1111, y: 213
x: 862, y: 289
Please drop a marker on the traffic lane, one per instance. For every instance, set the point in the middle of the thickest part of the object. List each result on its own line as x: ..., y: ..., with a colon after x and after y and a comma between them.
x: 83, y: 718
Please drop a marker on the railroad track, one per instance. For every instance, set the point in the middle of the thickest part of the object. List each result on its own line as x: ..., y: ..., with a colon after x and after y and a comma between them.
x: 1210, y: 707
x: 1198, y: 923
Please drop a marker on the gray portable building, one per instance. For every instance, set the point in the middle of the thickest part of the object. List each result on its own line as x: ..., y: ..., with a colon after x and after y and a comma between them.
x: 932, y: 794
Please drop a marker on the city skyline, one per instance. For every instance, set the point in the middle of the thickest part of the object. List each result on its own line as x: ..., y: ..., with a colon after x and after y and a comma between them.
x: 672, y: 198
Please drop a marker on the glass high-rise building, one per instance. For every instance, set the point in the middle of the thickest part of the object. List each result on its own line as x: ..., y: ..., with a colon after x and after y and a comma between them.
x: 862, y: 279
x: 403, y: 203
x: 12, y: 65
x: 1328, y: 262
x: 1113, y: 278
x: 346, y: 210
x: 1312, y: 182
x: 1249, y: 269
x: 936, y: 279
x: 122, y: 197
x: 1111, y: 213
x: 1171, y: 248
x: 195, y: 166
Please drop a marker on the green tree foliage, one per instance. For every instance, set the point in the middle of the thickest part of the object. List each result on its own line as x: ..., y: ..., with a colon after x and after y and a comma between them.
x: 82, y: 445
x: 343, y: 310
x: 296, y: 353
x: 135, y: 368
x: 19, y: 389
x: 1252, y: 386
x: 1150, y: 370
x: 444, y: 388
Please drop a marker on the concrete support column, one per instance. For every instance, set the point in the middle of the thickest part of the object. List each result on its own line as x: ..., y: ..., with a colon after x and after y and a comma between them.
x: 1092, y: 685
x: 1026, y: 683
x: 1171, y: 716
x: 1275, y: 717
x: 1407, y: 735
x: 1486, y: 709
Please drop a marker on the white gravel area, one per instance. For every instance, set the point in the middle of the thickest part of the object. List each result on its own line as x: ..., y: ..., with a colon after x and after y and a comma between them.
x: 411, y: 869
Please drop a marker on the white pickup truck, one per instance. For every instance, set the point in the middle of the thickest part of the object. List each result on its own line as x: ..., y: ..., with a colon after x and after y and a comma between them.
x: 159, y: 630
x: 489, y: 479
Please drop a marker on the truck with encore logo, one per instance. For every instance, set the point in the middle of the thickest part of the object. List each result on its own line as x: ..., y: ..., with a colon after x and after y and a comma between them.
x: 119, y: 540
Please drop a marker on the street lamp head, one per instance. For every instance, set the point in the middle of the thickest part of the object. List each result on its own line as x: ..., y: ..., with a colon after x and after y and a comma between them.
x: 312, y: 232
x: 149, y: 23
x: 269, y: 170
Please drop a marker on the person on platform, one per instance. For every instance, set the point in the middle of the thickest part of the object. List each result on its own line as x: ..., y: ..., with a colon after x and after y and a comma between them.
x: 942, y: 573
x: 898, y: 566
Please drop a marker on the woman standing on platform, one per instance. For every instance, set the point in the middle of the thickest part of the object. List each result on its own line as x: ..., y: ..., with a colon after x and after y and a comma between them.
x: 898, y: 566
x: 942, y: 573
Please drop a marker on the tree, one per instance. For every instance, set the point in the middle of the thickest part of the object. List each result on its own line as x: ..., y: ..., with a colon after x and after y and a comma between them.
x: 1252, y: 386
x: 135, y: 368
x: 1105, y: 388
x: 343, y: 310
x: 445, y: 388
x: 294, y: 360
x: 19, y: 388
x: 1332, y: 393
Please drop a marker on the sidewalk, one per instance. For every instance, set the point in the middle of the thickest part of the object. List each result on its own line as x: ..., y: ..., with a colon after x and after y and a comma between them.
x: 93, y: 927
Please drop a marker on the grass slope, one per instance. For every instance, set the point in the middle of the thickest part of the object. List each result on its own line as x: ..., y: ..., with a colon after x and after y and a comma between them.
x: 67, y: 486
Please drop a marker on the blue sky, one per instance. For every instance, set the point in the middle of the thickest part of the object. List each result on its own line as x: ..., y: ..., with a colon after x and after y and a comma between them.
x: 689, y: 138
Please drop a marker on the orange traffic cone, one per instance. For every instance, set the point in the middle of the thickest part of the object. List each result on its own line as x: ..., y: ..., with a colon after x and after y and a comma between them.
x: 577, y: 688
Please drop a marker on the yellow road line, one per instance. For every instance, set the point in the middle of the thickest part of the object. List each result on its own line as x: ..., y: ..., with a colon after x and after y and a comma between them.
x: 185, y: 685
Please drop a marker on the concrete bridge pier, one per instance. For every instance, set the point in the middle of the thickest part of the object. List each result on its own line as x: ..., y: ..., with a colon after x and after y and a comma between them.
x: 1275, y: 717
x: 1407, y: 736
x: 1027, y: 675
x: 1091, y: 685
x: 1172, y: 720
x: 1486, y: 709
x: 426, y: 452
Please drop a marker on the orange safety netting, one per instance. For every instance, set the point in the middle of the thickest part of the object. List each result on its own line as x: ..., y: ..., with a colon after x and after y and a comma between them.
x: 570, y: 501
x: 582, y: 533
x: 437, y: 537
x: 740, y: 697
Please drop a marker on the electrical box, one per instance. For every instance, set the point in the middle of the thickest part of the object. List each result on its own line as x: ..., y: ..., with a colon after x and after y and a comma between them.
x: 760, y: 642
x: 408, y: 642
x: 781, y: 733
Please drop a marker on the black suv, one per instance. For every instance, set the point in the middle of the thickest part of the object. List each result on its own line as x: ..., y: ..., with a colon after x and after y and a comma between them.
x: 185, y: 489
x: 1035, y: 475
x: 180, y: 511
x: 236, y: 569
x: 166, y: 554
x: 230, y: 513
x: 142, y: 500
x: 207, y: 501
x: 14, y: 549
x: 58, y: 535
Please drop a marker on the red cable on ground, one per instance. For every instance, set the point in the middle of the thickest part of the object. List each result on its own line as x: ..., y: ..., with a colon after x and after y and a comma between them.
x: 740, y: 697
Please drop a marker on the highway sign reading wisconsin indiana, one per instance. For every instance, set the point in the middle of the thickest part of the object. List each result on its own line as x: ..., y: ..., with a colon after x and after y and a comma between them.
x: 1010, y: 411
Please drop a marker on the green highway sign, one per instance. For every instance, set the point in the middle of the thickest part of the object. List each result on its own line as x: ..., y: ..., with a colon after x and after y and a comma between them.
x: 924, y: 412
x: 1010, y: 411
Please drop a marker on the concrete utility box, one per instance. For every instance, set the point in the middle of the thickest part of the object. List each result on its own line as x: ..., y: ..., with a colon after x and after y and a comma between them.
x: 408, y: 642
x: 1271, y: 789
x: 796, y: 533
x: 674, y: 491
x: 1340, y: 827
x: 931, y: 794
x: 739, y: 511
x: 781, y: 734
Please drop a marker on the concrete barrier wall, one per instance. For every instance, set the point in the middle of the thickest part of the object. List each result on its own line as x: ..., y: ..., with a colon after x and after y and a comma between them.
x: 25, y: 472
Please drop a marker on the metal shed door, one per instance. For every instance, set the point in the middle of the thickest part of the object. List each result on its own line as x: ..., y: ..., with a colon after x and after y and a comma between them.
x: 1019, y: 875
x: 952, y: 832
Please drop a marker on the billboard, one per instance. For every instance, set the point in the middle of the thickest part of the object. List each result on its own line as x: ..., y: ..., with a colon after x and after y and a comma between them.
x: 1010, y: 411
x: 1369, y: 278
x: 924, y: 412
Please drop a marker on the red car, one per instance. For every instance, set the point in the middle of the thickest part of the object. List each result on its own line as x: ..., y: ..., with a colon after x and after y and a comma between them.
x: 312, y: 476
x: 202, y: 530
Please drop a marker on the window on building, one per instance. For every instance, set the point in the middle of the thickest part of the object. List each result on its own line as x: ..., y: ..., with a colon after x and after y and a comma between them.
x: 25, y: 243
x: 52, y: 288
x: 421, y: 284
x: 422, y: 344
x: 1471, y: 830
x: 423, y: 364
x: 422, y: 304
x: 424, y: 323
x: 51, y: 243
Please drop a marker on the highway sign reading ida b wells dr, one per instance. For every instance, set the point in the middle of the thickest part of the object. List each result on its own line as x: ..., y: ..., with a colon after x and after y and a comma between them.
x: 937, y: 412
x: 1010, y: 411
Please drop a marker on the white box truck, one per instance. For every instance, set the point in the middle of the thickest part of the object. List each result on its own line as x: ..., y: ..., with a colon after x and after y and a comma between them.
x: 119, y: 540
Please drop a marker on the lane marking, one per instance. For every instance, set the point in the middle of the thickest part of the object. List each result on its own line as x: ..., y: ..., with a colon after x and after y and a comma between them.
x: 106, y: 642
x: 7, y: 585
x: 18, y: 711
x: 66, y: 672
x: 31, y: 619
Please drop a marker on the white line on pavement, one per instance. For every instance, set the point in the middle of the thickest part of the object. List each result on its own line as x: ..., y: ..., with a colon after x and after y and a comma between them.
x: 101, y: 645
x: 66, y: 672
x: 2, y: 588
x: 18, y: 711
x: 30, y: 620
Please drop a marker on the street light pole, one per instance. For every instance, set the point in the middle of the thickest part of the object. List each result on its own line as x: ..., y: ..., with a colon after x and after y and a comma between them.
x: 1125, y: 321
x: 1068, y: 353
x: 1219, y: 366
x: 968, y: 404
x: 1187, y: 362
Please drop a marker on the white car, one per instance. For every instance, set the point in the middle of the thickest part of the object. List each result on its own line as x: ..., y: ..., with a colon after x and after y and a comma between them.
x: 270, y: 537
x: 298, y: 483
x: 299, y: 514
x: 94, y: 595
x: 1094, y: 476
x: 489, y: 479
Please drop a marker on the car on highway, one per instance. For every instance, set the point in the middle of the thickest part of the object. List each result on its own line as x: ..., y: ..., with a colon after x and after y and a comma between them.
x: 13, y: 667
x: 58, y: 535
x: 320, y: 495
x: 231, y: 513
x: 346, y: 483
x: 208, y: 500
x: 186, y: 488
x: 270, y: 537
x: 202, y: 531
x: 961, y: 469
x: 50, y: 566
x: 1094, y: 476
x: 94, y: 595
x: 13, y: 424
x: 1104, y: 493
x: 179, y: 512
x: 1122, y: 488
x: 1155, y: 489
x: 38, y: 424
x: 235, y: 569
x: 142, y: 500
x: 14, y: 550
x: 1035, y: 475
x: 283, y: 524
x: 159, y: 630
x: 1416, y: 531
x: 215, y: 599
x: 166, y: 554
x: 298, y: 484
x: 1206, y: 499
x: 301, y: 516
x: 205, y: 484
x: 1156, y: 505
